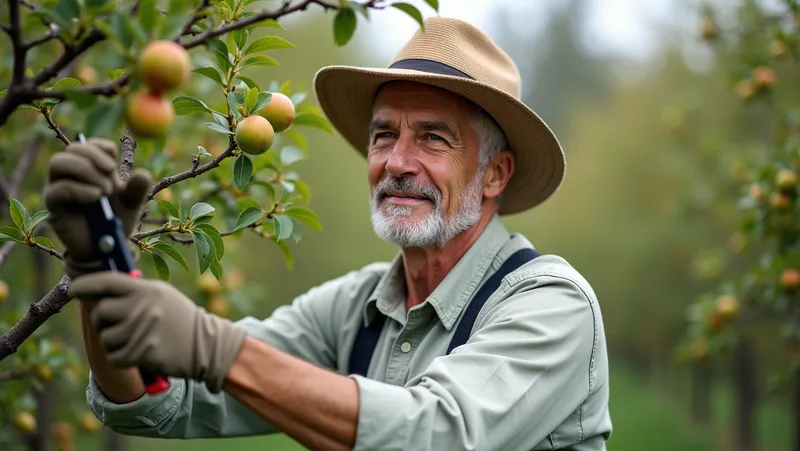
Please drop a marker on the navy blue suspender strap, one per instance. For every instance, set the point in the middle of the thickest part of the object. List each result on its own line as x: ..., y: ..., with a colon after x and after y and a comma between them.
x: 367, y: 337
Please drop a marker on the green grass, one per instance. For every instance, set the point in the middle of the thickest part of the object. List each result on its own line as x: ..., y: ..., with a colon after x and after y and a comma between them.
x: 643, y: 419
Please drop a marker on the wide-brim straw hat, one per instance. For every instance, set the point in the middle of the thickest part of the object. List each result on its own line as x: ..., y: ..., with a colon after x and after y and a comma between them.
x: 456, y: 56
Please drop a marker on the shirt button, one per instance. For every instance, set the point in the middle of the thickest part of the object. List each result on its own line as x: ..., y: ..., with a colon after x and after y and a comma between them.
x: 405, y: 347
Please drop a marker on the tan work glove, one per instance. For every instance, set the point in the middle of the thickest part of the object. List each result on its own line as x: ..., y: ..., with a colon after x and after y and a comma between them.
x: 77, y: 177
x: 152, y: 325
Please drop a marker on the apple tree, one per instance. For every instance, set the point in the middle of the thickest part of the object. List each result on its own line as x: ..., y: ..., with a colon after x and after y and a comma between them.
x: 752, y: 316
x: 180, y: 85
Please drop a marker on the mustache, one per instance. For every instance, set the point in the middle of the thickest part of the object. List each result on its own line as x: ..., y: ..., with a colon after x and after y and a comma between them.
x: 408, y: 184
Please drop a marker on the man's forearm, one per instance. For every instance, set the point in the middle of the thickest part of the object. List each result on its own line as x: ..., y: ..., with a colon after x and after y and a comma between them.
x: 316, y: 407
x: 120, y: 385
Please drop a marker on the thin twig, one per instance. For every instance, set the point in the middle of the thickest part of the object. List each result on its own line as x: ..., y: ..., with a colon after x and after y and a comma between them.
x: 50, y: 251
x: 59, y: 134
x: 151, y: 232
x: 39, y: 41
x: 128, y: 151
x: 193, y: 172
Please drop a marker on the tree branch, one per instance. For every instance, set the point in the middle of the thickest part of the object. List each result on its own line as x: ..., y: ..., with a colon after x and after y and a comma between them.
x: 5, y: 249
x: 128, y: 150
x: 20, y: 51
x: 50, y: 251
x: 38, y: 313
x: 59, y: 134
x: 193, y: 172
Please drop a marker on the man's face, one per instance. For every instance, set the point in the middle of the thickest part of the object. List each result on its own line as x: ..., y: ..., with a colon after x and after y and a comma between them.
x: 423, y: 165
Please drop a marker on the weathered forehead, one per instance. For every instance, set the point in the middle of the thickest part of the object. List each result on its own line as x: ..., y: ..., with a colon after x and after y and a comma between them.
x: 409, y: 97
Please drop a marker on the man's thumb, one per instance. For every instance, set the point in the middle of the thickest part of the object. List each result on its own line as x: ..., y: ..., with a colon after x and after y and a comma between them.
x: 133, y: 194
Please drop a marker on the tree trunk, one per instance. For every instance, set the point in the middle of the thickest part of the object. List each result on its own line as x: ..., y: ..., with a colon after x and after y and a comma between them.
x: 744, y: 370
x: 702, y: 376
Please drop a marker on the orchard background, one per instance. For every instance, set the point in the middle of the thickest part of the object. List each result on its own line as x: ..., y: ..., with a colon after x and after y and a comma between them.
x: 680, y: 205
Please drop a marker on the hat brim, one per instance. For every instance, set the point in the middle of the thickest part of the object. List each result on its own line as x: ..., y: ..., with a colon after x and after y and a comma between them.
x: 346, y: 96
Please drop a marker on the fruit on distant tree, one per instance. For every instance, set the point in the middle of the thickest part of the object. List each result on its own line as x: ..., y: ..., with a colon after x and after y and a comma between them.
x: 254, y: 135
x: 779, y: 201
x: 3, y: 290
x: 89, y: 422
x: 218, y: 305
x: 786, y: 179
x: 148, y: 115
x: 764, y: 77
x: 25, y: 422
x: 164, y: 65
x: 790, y: 278
x: 208, y: 284
x: 279, y: 112
x: 727, y: 306
x: 708, y: 28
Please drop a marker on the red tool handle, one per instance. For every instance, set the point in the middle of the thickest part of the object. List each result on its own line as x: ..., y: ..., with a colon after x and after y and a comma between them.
x: 154, y: 383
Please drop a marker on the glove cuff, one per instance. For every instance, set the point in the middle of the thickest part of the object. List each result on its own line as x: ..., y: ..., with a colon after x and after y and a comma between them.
x: 218, y: 344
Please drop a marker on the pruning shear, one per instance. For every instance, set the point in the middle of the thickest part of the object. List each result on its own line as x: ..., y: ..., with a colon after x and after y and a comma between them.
x: 109, y: 240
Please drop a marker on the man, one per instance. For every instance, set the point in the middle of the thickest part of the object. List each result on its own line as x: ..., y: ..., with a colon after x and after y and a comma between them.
x: 467, y: 340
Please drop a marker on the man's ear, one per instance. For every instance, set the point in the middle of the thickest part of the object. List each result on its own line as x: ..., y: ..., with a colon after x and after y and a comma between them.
x: 498, y: 173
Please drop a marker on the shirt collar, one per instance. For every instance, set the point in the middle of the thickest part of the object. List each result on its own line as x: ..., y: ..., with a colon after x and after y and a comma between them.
x: 452, y: 294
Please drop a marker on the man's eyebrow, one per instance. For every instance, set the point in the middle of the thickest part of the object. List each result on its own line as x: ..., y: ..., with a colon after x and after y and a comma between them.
x: 379, y: 124
x: 438, y: 126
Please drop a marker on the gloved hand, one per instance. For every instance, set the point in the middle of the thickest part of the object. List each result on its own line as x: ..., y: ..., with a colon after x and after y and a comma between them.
x: 152, y: 325
x: 76, y: 178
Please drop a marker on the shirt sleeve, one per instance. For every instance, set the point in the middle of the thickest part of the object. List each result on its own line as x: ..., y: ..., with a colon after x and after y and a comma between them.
x: 305, y: 328
x: 524, y: 370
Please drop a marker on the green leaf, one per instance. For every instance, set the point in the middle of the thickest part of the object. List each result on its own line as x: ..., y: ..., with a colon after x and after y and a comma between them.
x: 201, y: 209
x: 250, y: 100
x: 240, y: 37
x: 172, y: 252
x: 216, y: 269
x: 44, y: 241
x: 263, y: 100
x: 287, y: 254
x: 250, y: 82
x: 267, y: 43
x: 344, y: 26
x: 304, y: 215
x: 19, y: 214
x: 433, y: 4
x: 233, y: 104
x: 218, y: 128
x: 242, y: 171
x: 169, y: 209
x: 35, y: 219
x: 68, y: 9
x: 412, y: 11
x: 10, y: 233
x: 249, y: 216
x: 283, y: 226
x: 271, y: 23
x: 113, y: 74
x: 98, y: 6
x: 66, y: 83
x: 213, y: 233
x: 218, y: 48
x: 205, y: 249
x: 298, y: 138
x: 147, y: 15
x: 64, y: 23
x: 303, y: 190
x: 312, y: 120
x: 103, y: 118
x: 188, y: 104
x: 360, y: 8
x: 259, y: 60
x: 201, y: 151
x: 212, y: 73
x: 161, y: 266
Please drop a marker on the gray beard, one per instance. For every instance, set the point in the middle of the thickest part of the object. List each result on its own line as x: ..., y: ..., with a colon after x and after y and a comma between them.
x: 393, y: 224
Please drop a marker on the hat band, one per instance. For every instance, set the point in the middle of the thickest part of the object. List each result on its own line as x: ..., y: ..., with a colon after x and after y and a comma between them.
x: 431, y: 66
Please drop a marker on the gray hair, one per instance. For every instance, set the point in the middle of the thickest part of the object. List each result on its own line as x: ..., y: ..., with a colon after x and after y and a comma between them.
x: 493, y: 140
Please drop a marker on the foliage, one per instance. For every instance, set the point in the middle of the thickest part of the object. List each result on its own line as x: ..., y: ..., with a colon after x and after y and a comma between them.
x: 757, y: 271
x: 71, y: 66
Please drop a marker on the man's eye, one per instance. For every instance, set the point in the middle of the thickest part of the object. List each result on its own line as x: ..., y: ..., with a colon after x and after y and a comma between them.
x: 383, y: 135
x: 435, y: 137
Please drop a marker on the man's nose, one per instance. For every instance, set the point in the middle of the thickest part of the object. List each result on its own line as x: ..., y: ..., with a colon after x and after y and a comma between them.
x: 403, y: 157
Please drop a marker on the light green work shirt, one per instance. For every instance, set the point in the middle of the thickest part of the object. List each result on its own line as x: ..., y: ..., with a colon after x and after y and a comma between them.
x: 533, y: 375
